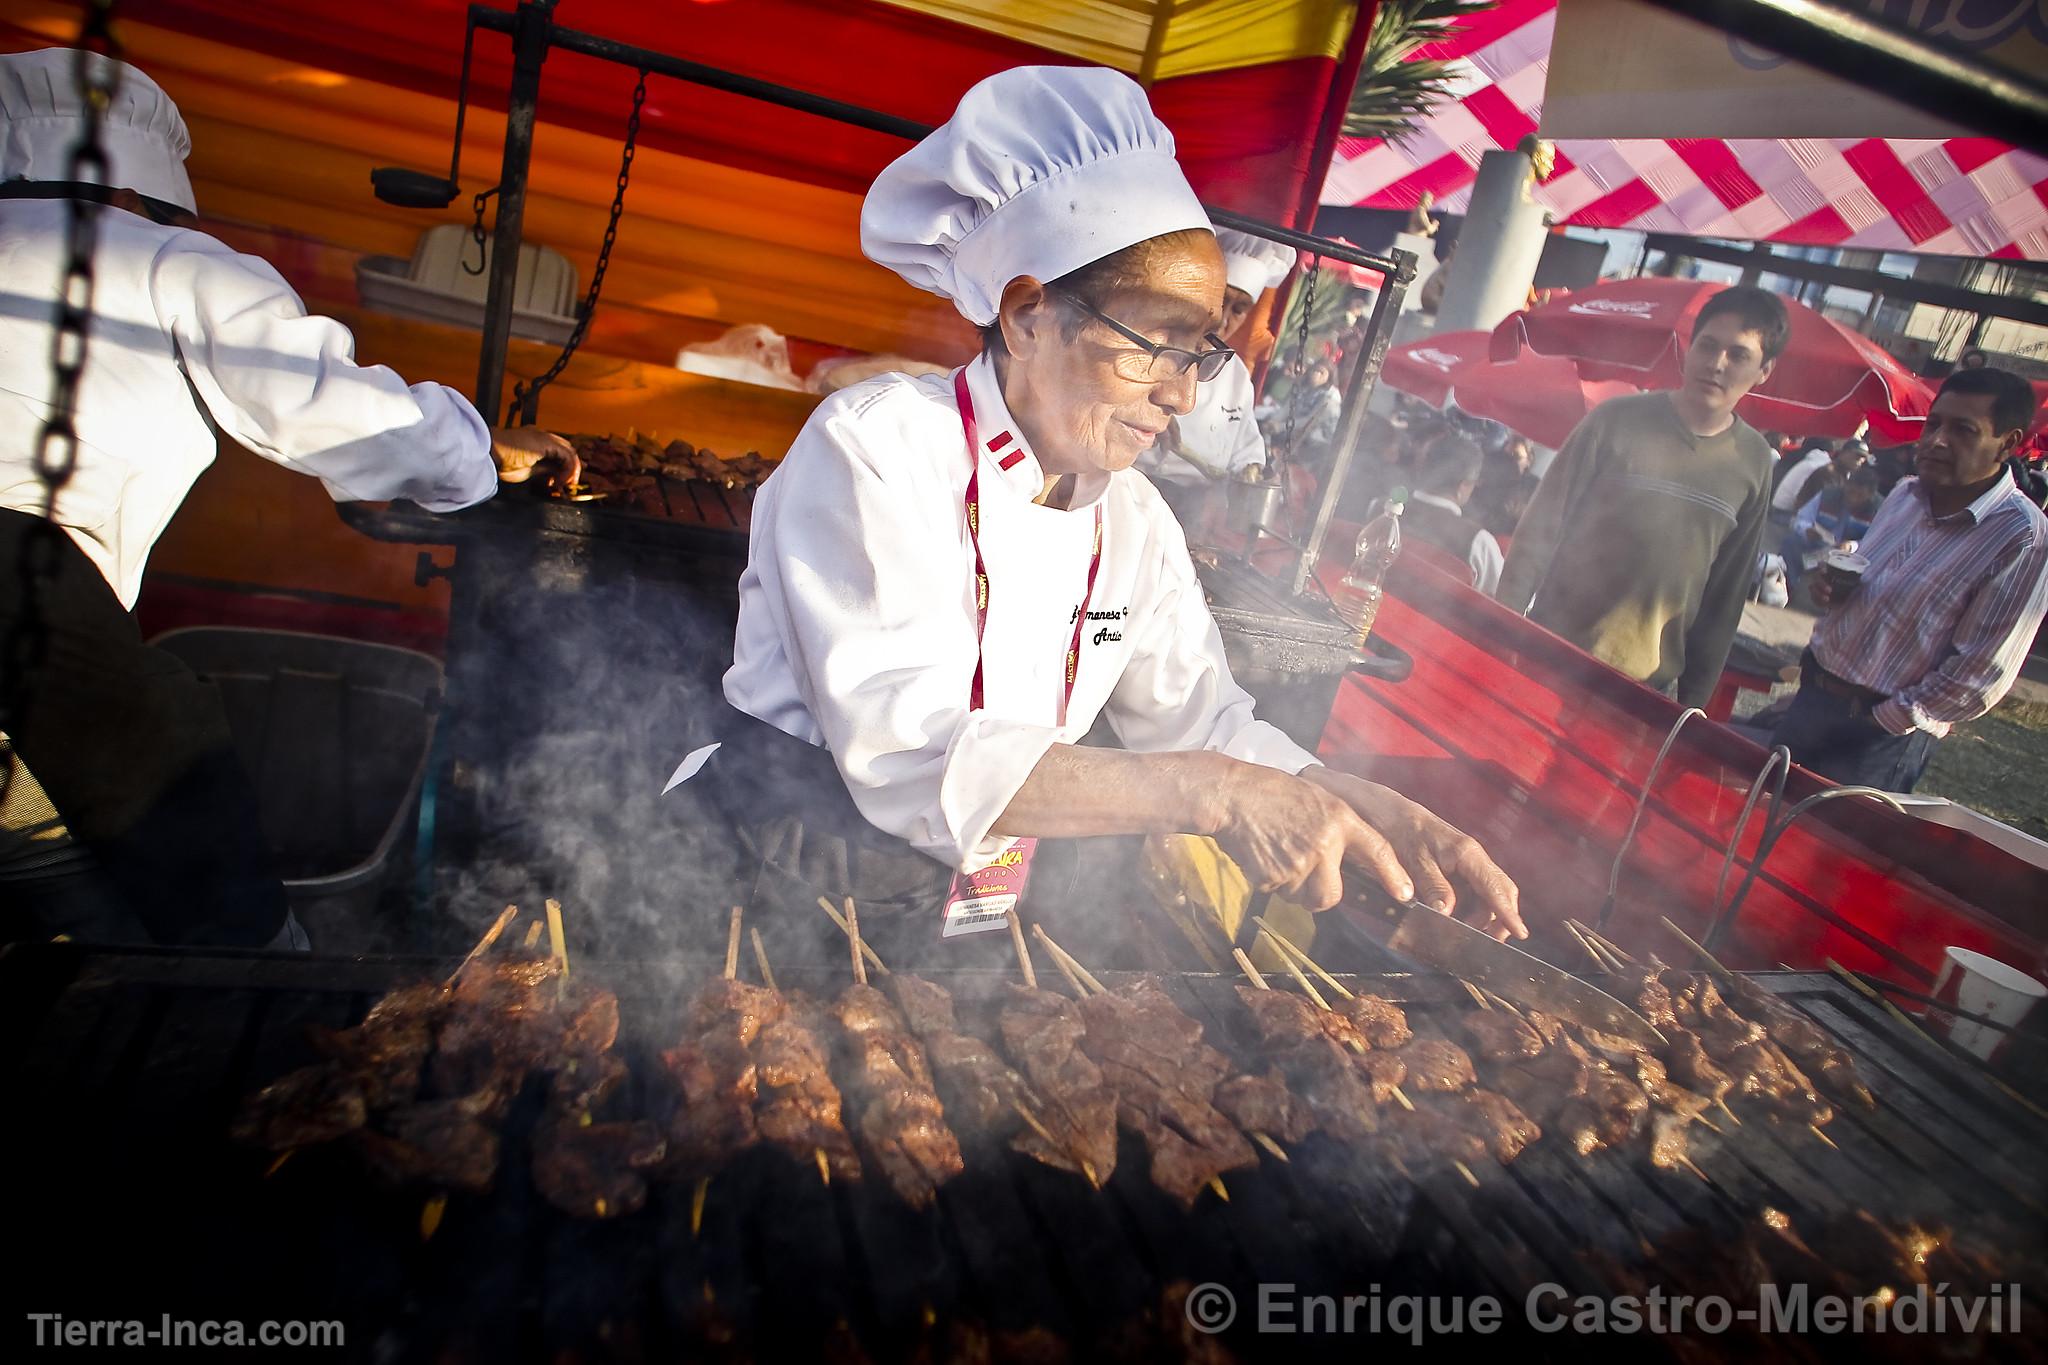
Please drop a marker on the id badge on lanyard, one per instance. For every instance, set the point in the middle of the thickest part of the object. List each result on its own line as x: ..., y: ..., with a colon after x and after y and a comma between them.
x: 981, y: 901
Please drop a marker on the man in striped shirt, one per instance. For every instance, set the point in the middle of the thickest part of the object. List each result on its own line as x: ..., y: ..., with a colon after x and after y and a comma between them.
x: 1957, y: 582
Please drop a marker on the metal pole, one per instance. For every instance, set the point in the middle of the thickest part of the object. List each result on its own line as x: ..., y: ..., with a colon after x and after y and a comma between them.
x: 1384, y: 309
x: 663, y: 64
x: 1888, y: 58
x: 530, y: 33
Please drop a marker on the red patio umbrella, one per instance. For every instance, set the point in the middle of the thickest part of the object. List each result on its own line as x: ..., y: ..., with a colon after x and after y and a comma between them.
x: 1827, y: 382
x: 1423, y: 369
x: 1541, y: 398
x: 1536, y: 396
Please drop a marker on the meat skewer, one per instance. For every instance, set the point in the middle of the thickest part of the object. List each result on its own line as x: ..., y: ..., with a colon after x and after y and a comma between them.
x: 902, y: 1124
x: 1151, y: 1057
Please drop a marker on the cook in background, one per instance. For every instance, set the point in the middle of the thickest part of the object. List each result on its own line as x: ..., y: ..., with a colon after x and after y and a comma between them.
x: 188, y: 338
x: 1218, y: 438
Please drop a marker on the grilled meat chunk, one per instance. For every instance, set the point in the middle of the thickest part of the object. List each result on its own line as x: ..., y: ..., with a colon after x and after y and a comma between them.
x: 596, y: 1170
x: 1498, y: 1036
x: 312, y: 1105
x: 1042, y: 1034
x: 798, y: 1107
x: 1437, y: 1065
x: 443, y: 1144
x: 1499, y: 1121
x: 1383, y: 1023
x: 1262, y: 1104
x: 926, y: 1007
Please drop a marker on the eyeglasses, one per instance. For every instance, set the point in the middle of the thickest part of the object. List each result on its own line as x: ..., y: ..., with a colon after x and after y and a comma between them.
x: 1154, y: 363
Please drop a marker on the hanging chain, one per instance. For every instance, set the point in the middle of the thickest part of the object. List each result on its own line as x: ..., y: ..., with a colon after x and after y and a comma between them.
x: 1308, y: 308
x: 479, y: 236
x: 97, y: 70
x: 526, y: 398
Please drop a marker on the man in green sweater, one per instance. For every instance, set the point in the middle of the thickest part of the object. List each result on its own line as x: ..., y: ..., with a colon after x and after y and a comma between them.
x: 1641, y: 545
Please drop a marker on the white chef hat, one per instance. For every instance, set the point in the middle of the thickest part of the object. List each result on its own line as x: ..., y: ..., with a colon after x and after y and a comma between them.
x: 1041, y: 170
x: 1253, y: 264
x: 42, y: 116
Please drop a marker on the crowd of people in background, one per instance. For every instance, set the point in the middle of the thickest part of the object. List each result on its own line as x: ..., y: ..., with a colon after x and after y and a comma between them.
x: 1641, y: 539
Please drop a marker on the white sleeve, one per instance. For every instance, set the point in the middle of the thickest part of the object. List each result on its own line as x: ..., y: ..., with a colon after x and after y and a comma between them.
x: 1251, y: 447
x: 1487, y: 561
x: 285, y: 384
x: 1176, y: 693
x: 883, y: 654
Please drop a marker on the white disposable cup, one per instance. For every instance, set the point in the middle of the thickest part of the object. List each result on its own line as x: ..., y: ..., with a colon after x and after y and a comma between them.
x: 1983, y: 985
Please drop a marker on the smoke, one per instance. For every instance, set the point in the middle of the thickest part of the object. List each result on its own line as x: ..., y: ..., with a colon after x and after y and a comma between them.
x: 587, y: 673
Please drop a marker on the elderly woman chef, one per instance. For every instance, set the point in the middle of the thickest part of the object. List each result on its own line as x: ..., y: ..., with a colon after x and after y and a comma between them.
x: 952, y: 577
x: 1219, y: 438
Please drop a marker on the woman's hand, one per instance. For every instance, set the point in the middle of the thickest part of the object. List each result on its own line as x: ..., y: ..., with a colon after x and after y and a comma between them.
x: 519, y: 450
x: 1292, y: 836
x: 1431, y: 850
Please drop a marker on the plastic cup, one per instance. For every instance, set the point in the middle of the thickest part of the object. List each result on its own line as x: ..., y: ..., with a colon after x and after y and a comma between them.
x: 1845, y: 569
x: 1982, y: 985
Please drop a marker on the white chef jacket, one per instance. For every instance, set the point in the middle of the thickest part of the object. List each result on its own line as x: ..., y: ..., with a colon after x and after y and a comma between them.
x: 1215, y: 438
x: 280, y: 382
x: 857, y: 615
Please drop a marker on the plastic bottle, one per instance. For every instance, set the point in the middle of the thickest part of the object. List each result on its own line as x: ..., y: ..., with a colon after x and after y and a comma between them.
x: 1379, y: 545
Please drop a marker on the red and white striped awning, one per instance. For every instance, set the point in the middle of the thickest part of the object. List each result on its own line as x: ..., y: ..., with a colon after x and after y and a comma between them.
x: 1960, y: 196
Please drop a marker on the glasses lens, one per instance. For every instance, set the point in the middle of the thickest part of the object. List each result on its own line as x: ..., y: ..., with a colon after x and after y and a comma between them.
x: 1210, y: 364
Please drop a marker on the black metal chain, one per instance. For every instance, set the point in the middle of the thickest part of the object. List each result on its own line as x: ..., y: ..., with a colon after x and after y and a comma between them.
x: 526, y: 398
x: 97, y: 70
x: 1308, y: 306
x: 478, y: 235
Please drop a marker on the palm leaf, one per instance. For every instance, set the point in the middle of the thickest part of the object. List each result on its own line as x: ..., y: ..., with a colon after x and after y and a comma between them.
x: 1394, y: 93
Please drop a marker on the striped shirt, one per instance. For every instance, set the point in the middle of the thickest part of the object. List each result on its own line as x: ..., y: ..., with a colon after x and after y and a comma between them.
x: 1944, y: 615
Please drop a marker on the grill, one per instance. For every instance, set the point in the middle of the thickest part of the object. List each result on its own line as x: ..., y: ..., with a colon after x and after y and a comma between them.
x: 126, y: 1066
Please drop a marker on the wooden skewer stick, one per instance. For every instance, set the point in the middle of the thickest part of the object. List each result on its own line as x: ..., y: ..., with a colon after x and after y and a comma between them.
x: 1216, y: 1184
x: 1723, y: 1103
x: 732, y: 946
x: 1613, y: 949
x: 533, y: 933
x: 1289, y: 949
x: 1073, y: 982
x: 860, y: 965
x: 865, y: 951
x: 1023, y: 950
x: 1294, y: 970
x: 430, y: 1214
x: 1466, y: 1171
x: 1478, y: 996
x: 1508, y: 1005
x: 1687, y: 939
x: 1068, y: 959
x: 761, y: 958
x: 483, y: 945
x: 1032, y: 1121
x: 1245, y: 965
x: 558, y: 945
x: 282, y: 1157
x: 1586, y: 943
x: 1402, y: 1097
x: 1610, y: 959
x: 824, y: 1167
x: 1693, y: 1166
x: 1814, y: 1128
x: 1266, y: 1140
x: 697, y: 1195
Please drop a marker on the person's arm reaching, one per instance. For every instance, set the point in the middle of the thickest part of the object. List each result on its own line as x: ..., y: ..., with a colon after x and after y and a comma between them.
x: 284, y: 383
x: 1486, y: 562
x: 1728, y: 586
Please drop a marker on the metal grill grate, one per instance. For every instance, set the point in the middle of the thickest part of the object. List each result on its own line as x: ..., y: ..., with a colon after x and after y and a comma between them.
x: 126, y: 1067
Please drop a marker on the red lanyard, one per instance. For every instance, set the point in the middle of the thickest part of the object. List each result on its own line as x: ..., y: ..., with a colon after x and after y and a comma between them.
x: 1073, y: 668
